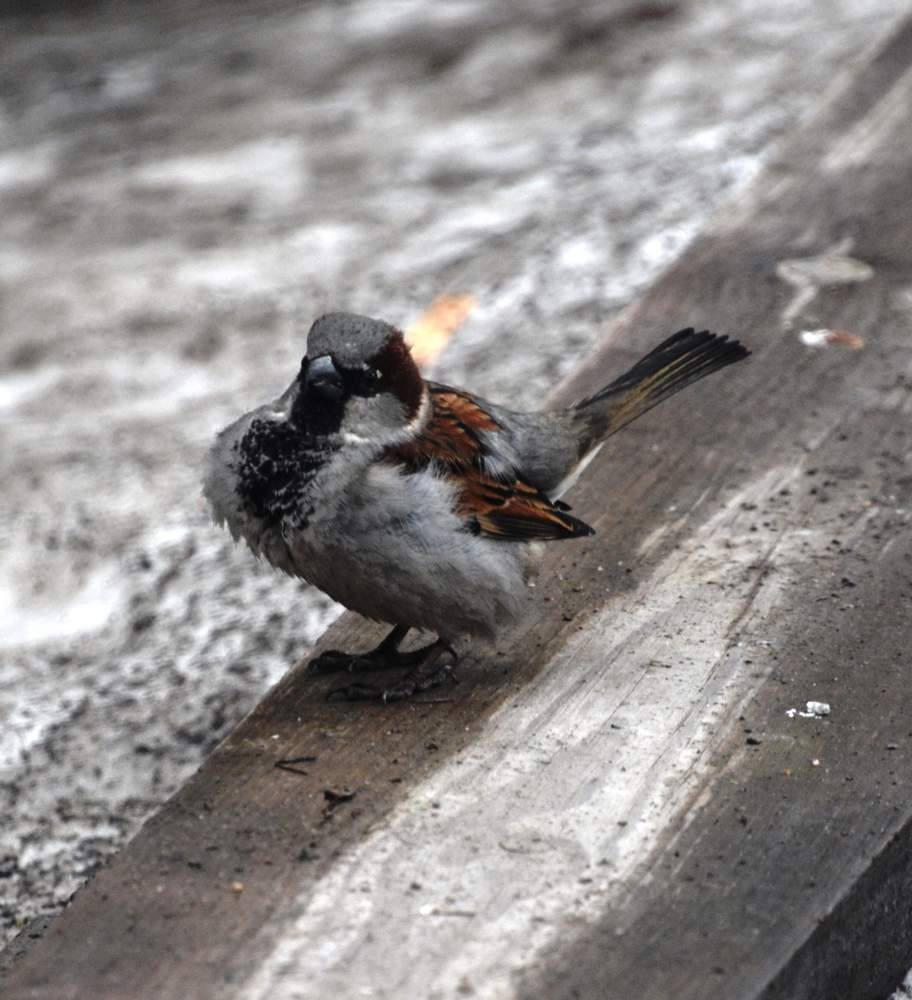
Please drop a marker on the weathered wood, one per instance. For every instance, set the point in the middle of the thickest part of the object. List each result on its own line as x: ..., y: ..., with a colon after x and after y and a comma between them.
x: 613, y: 802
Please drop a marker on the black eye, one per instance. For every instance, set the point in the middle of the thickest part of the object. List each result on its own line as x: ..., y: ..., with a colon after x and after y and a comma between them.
x: 365, y: 381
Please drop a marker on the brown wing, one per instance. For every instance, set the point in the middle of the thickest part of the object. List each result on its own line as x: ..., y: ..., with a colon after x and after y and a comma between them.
x: 514, y: 511
x: 450, y: 435
x: 505, y: 508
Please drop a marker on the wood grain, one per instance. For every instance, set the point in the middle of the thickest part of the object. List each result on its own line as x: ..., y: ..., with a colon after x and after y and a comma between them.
x: 626, y: 808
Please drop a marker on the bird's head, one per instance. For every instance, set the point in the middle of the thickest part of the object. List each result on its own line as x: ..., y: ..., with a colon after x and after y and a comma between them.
x: 358, y: 380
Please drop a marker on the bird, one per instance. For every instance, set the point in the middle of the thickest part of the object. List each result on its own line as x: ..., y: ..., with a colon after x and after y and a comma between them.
x: 415, y: 503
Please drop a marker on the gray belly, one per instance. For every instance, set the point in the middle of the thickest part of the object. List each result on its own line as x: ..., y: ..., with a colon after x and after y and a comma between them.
x: 403, y: 557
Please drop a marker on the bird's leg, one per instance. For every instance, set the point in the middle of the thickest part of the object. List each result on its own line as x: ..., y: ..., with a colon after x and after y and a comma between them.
x: 383, y: 657
x: 434, y: 667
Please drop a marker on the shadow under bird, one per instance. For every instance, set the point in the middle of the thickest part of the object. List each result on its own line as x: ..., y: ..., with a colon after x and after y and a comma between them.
x: 416, y: 503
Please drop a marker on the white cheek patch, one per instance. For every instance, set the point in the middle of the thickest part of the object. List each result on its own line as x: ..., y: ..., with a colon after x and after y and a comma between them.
x: 388, y: 436
x: 420, y: 418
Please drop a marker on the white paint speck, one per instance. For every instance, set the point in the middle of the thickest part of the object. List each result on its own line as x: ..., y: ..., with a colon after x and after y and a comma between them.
x: 813, y: 710
x: 814, y: 338
x: 831, y: 338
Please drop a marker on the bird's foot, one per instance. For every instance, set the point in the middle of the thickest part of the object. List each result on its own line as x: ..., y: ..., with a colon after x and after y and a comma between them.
x: 429, y: 673
x: 334, y: 661
x: 384, y: 656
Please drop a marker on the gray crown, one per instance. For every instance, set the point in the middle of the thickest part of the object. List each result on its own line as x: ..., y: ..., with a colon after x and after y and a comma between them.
x: 351, y: 339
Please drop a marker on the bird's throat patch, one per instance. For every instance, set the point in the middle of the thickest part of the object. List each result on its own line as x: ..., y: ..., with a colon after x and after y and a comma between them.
x: 276, y: 464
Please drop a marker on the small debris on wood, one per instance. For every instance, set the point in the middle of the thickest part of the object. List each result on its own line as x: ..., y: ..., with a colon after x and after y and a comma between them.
x: 813, y: 710
x: 289, y: 764
x: 831, y: 338
x: 335, y: 798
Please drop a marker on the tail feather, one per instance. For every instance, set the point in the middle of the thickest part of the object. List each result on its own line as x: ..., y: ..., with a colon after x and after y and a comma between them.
x: 677, y: 362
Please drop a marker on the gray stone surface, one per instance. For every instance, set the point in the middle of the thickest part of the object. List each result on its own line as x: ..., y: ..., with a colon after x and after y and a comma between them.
x: 182, y: 192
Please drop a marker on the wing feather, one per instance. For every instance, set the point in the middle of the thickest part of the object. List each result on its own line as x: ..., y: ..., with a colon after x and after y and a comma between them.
x: 506, y: 508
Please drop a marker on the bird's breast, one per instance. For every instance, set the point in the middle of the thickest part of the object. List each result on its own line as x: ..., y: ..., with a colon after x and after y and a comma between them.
x: 274, y: 470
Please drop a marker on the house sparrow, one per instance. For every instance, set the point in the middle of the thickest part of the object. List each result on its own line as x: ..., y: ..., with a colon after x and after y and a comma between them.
x: 416, y: 503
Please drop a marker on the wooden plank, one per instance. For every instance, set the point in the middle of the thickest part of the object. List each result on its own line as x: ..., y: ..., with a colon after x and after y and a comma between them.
x: 752, y: 553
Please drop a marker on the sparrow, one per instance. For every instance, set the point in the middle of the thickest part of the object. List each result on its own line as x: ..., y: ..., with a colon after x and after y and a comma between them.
x: 416, y: 503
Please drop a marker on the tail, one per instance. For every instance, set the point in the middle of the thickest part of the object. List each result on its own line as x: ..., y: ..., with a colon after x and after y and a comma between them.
x: 677, y: 362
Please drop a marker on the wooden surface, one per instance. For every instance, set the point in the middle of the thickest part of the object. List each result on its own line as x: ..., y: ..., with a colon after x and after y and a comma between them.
x: 613, y: 802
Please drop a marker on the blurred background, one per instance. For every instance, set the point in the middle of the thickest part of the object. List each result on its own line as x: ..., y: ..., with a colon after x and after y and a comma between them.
x: 184, y: 186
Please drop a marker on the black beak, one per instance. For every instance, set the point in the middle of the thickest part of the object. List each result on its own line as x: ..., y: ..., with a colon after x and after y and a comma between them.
x: 324, y: 379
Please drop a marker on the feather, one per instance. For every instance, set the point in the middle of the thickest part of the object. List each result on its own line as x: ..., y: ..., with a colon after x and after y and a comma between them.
x: 506, y: 507
x: 682, y: 359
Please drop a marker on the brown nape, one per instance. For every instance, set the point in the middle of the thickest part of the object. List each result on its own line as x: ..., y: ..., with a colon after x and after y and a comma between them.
x: 400, y: 373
